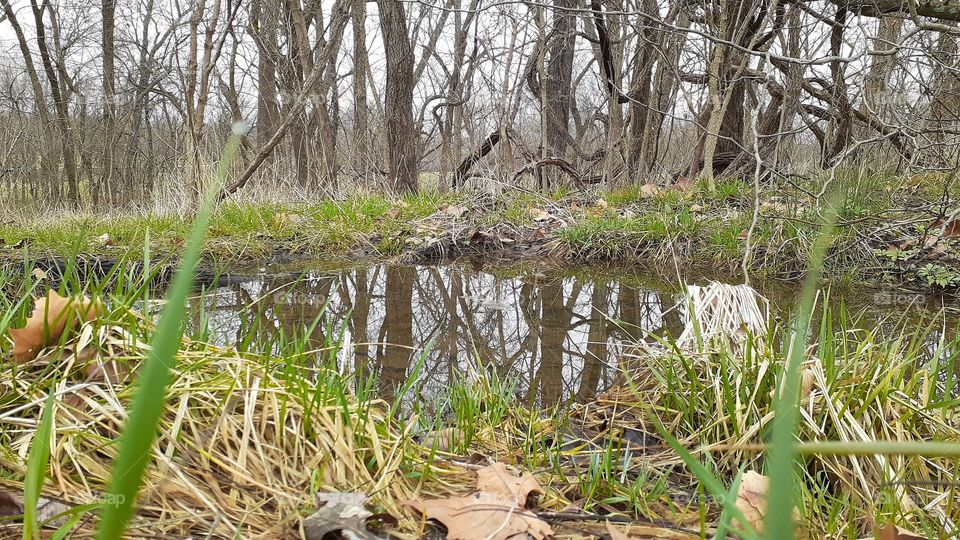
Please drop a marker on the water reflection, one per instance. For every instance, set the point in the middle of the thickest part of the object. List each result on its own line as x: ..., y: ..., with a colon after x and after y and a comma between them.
x: 559, y: 337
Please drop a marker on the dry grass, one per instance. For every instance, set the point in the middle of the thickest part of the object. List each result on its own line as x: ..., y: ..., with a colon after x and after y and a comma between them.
x: 246, y: 440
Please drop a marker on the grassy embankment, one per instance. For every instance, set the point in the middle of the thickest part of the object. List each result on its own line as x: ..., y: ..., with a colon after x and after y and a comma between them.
x: 887, y: 232
x: 248, y: 434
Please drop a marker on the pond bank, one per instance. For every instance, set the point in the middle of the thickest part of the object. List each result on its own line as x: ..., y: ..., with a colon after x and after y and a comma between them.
x: 657, y: 229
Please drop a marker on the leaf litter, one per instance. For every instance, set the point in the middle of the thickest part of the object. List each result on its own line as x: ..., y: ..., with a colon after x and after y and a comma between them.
x: 226, y: 461
x: 497, y: 510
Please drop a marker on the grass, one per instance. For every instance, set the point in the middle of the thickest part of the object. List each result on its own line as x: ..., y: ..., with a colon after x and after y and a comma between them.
x: 694, y: 228
x: 280, y: 423
x: 237, y: 232
x: 248, y: 434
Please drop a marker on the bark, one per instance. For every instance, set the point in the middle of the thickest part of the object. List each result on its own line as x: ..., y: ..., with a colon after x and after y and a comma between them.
x: 361, y: 130
x: 401, y: 134
x: 295, y: 110
x: 264, y: 31
x: 58, y: 92
x: 559, y: 77
x: 460, y: 175
x: 108, y: 9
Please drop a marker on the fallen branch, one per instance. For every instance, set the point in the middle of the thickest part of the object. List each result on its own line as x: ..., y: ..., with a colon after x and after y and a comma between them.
x: 460, y: 175
x: 561, y: 163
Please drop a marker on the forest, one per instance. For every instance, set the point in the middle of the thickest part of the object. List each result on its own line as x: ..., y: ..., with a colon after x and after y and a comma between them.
x: 479, y: 269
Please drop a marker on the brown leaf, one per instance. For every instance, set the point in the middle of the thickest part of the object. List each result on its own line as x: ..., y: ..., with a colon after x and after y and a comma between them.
x: 892, y: 532
x: 455, y: 211
x: 338, y: 513
x: 752, y: 498
x: 51, y: 316
x: 539, y: 214
x: 649, y: 190
x: 443, y: 440
x: 496, y: 479
x: 483, y: 516
x: 10, y: 505
x: 602, y: 204
x: 684, y: 183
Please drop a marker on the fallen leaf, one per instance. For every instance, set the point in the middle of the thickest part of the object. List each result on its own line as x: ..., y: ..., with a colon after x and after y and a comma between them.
x: 602, y: 204
x: 539, y: 214
x: 892, y: 532
x: 498, y: 480
x: 51, y: 316
x: 443, y: 440
x: 9, y: 505
x: 752, y: 498
x: 103, y: 240
x: 649, y: 190
x: 342, y: 513
x: 47, y: 511
x: 696, y: 208
x: 455, y: 211
x: 806, y: 383
x: 483, y: 516
x: 393, y: 213
x: 38, y: 274
x: 496, y: 511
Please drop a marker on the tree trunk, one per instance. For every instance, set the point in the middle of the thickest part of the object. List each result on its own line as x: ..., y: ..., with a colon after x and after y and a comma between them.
x: 108, y: 8
x: 361, y: 131
x: 402, y: 137
x: 559, y: 73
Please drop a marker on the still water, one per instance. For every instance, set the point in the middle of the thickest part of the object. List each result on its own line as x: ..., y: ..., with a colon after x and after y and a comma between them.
x: 559, y: 336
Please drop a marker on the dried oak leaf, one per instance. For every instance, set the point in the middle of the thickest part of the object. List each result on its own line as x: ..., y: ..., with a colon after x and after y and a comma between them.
x: 483, y: 516
x: 49, y: 512
x: 51, y: 316
x: 649, y: 190
x: 752, y: 498
x: 498, y: 480
x: 892, y: 532
x: 339, y: 514
x: 10, y: 505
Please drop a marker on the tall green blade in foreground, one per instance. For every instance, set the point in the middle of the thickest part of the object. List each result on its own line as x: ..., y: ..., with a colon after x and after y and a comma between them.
x: 37, y: 469
x: 779, y: 524
x: 140, y: 429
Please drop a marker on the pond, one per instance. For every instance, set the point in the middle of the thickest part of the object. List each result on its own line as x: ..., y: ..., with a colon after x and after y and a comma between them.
x: 560, y: 335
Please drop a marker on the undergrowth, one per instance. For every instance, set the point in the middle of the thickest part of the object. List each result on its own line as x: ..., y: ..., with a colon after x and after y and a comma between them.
x: 249, y: 432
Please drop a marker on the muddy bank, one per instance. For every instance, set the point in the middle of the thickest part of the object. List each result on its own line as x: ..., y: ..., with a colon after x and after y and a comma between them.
x: 913, y: 248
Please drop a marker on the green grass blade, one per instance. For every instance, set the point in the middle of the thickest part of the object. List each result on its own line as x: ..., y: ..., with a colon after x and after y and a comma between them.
x: 140, y: 428
x: 778, y: 524
x: 37, y: 469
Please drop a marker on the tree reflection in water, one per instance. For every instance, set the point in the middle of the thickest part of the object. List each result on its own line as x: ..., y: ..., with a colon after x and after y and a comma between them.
x: 560, y: 338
